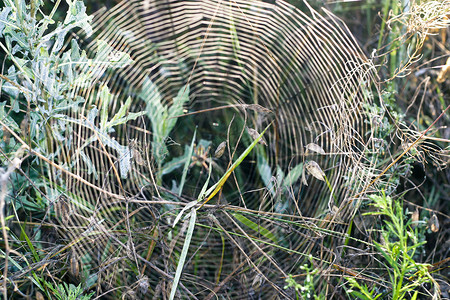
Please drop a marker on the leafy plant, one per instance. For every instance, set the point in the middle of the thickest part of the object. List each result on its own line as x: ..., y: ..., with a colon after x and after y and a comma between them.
x: 305, y: 290
x: 398, y: 245
x: 41, y: 83
x: 162, y: 117
x: 66, y: 291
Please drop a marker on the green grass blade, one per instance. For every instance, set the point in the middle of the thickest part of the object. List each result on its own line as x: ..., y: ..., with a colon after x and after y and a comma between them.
x: 258, y: 228
x: 216, y: 188
x: 184, y: 252
x: 186, y: 165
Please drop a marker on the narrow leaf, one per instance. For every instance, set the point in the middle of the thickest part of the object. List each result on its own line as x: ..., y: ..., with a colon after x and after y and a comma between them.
x: 186, y: 165
x: 184, y: 253
x: 293, y: 175
x: 258, y: 228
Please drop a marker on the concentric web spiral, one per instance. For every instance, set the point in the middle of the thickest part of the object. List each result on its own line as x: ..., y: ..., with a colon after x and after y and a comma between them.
x: 203, y: 72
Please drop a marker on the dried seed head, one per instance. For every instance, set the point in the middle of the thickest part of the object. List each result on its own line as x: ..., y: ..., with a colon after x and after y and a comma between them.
x: 254, y: 134
x: 445, y: 72
x: 38, y: 296
x: 434, y: 223
x: 314, y: 169
x: 315, y: 148
x: 74, y: 266
x: 257, y: 281
x: 143, y: 284
x: 259, y: 109
x: 137, y: 157
x: 63, y: 209
x: 220, y: 150
x: 415, y: 218
x: 130, y: 249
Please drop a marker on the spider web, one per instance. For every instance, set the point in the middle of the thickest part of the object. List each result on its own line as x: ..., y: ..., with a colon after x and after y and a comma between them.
x: 244, y: 63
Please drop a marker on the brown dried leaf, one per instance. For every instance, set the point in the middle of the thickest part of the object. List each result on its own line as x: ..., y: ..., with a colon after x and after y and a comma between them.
x: 257, y: 282
x: 63, y: 210
x: 434, y: 223
x: 315, y: 148
x: 6, y: 135
x: 220, y: 149
x: 254, y: 134
x: 314, y: 169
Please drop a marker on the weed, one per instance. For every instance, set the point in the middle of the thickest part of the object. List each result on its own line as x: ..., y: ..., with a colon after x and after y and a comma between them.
x: 397, y: 246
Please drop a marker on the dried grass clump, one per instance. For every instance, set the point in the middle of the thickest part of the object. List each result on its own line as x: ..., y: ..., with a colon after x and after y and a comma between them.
x: 424, y: 17
x: 414, y: 24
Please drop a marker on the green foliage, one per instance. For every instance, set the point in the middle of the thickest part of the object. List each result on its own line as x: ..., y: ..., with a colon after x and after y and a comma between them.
x: 44, y: 76
x: 41, y: 83
x: 102, y: 131
x: 41, y: 79
x: 398, y: 245
x: 307, y: 289
x: 279, y: 184
x: 66, y: 291
x: 162, y: 117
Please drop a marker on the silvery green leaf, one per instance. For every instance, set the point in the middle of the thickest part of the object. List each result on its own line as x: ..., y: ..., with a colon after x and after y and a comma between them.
x: 264, y: 169
x: 4, y: 12
x: 124, y: 161
x: 16, y: 49
x: 69, y: 104
x: 75, y: 51
x: 59, y: 41
x: 124, y: 152
x: 92, y: 114
x: 15, y: 106
x: 6, y: 118
x: 8, y: 87
x: 106, y: 98
x: 279, y: 176
x: 12, y: 36
x: 77, y: 15
x: 116, y: 59
x: 128, y: 117
x: 184, y: 252
x: 177, y: 107
x: 314, y: 169
x: 293, y: 175
x: 315, y: 148
x: 89, y: 164
x: 119, y: 59
x: 121, y: 117
x: 160, y: 115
